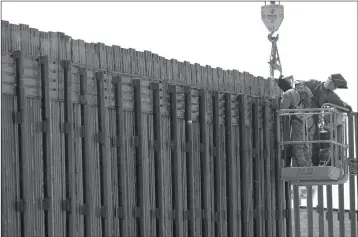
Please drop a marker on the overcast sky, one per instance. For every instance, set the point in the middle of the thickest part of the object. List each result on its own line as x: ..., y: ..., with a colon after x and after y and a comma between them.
x: 316, y: 39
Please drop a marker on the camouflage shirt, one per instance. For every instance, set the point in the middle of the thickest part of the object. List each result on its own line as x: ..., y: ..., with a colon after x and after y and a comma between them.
x: 321, y: 95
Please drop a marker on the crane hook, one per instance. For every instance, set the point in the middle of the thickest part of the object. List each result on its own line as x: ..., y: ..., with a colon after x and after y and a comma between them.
x: 271, y: 38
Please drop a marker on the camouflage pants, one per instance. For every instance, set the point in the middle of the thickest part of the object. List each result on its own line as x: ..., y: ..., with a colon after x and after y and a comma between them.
x: 302, y: 153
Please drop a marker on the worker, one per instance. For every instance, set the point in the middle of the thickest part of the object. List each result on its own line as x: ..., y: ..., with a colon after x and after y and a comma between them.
x: 323, y: 92
x: 300, y: 97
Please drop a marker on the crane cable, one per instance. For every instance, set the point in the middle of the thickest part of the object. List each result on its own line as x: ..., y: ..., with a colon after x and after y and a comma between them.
x: 275, y: 63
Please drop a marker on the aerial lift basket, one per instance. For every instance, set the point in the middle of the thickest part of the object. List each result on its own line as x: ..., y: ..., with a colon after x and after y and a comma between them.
x: 334, y: 170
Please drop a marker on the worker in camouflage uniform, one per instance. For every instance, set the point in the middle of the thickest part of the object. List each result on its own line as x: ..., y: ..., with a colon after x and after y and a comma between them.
x: 300, y: 97
x: 323, y: 92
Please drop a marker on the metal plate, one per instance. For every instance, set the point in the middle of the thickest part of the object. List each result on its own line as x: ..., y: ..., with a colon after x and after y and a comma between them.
x: 314, y: 173
x: 353, y: 166
x: 272, y: 15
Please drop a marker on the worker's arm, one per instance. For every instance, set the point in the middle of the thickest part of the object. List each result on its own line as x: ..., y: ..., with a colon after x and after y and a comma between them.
x: 287, y: 99
x: 333, y: 98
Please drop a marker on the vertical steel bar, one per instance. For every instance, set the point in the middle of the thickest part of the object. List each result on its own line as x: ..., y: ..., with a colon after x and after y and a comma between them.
x: 356, y: 148
x: 329, y: 210
x: 339, y: 157
x: 189, y: 162
x: 46, y: 141
x: 309, y: 211
x: 279, y: 182
x: 176, y: 164
x: 159, y: 200
x: 86, y: 166
x: 230, y: 168
x: 105, y: 159
x: 142, y: 174
x: 268, y: 189
x: 217, y: 163
x: 121, y: 164
x: 204, y: 160
x: 244, y: 164
x: 352, y: 215
x: 69, y: 159
x: 256, y: 170
x: 320, y: 210
x: 25, y: 216
x: 296, y: 206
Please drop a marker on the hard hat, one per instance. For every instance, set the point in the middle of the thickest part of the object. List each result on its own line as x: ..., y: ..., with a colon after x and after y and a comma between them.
x: 285, y: 83
x: 339, y: 81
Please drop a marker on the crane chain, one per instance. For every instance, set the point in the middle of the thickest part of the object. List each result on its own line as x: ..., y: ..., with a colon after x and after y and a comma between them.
x: 275, y: 63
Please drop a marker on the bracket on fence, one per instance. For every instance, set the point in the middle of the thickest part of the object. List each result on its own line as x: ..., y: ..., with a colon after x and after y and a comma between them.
x: 205, y: 214
x: 65, y: 128
x: 213, y: 151
x: 80, y: 131
x: 136, y: 212
x: 202, y: 147
x: 66, y: 205
x: 83, y: 99
x: 99, y: 137
x: 172, y: 88
x: 84, y: 209
x: 187, y: 215
x: 171, y: 214
x: 118, y: 212
x: 155, y: 213
x: 187, y: 89
x: 258, y: 212
x: 66, y: 64
x: 43, y: 126
x: 319, y: 209
x: 190, y: 214
x: 238, y: 215
x: 188, y: 146
x: 172, y: 145
x: 155, y: 86
x: 216, y: 217
x: 115, y: 142
x: 102, y: 212
x: 353, y: 166
x: 18, y: 117
x: 155, y: 144
x: 351, y: 214
x: 285, y: 213
x: 135, y: 141
x: 45, y: 204
x: 19, y: 206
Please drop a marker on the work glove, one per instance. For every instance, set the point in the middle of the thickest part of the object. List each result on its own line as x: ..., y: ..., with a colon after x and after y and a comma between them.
x: 349, y: 108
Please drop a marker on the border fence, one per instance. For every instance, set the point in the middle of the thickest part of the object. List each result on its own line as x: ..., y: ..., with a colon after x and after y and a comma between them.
x: 105, y: 141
